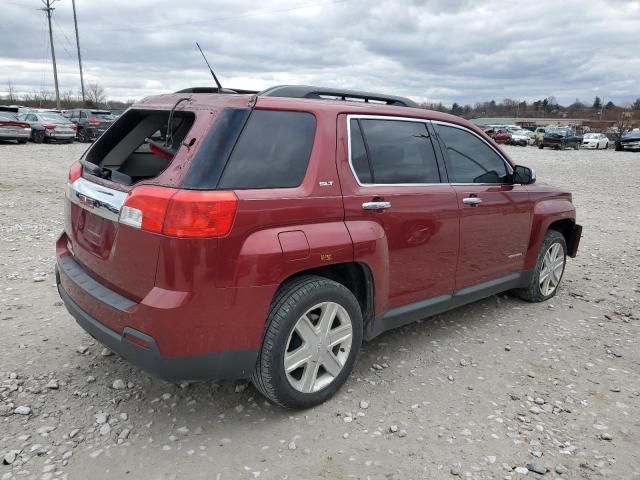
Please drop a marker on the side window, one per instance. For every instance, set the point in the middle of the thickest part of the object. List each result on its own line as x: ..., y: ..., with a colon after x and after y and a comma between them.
x: 469, y: 159
x: 272, y: 152
x: 359, y: 158
x: 83, y: 114
x: 397, y: 151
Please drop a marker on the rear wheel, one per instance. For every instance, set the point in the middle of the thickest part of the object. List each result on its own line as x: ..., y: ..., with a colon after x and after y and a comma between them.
x: 541, y: 146
x: 82, y: 135
x: 37, y: 136
x: 549, y: 269
x: 22, y: 140
x: 313, y: 336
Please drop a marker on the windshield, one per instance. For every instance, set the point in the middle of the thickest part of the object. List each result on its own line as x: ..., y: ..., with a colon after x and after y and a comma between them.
x: 591, y: 135
x: 558, y: 131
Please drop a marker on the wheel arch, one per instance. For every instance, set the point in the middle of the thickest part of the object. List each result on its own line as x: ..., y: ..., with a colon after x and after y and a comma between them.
x: 355, y: 276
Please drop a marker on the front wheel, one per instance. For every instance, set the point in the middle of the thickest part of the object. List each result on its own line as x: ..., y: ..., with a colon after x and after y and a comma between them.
x: 83, y: 137
x: 541, y: 146
x: 549, y: 269
x: 313, y: 336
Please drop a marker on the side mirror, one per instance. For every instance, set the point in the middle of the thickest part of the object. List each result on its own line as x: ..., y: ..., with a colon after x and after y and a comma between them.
x: 523, y: 175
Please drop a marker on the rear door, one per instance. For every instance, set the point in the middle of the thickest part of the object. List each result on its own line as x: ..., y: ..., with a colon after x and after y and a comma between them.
x: 393, y: 180
x: 495, y: 215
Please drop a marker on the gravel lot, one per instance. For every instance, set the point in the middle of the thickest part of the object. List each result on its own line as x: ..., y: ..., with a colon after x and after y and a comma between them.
x: 479, y: 392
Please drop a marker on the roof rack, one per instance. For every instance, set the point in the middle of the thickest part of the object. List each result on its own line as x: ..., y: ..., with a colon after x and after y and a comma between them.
x: 217, y: 90
x: 321, y: 93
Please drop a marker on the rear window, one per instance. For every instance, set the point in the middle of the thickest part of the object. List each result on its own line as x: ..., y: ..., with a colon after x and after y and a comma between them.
x: 106, y: 116
x: 140, y: 145
x: 272, y: 152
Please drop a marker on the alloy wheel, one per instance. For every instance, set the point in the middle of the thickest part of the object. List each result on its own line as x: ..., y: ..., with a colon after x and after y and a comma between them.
x: 552, y: 269
x: 318, y: 347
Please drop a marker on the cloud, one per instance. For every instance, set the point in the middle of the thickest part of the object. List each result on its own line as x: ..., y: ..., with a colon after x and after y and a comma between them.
x: 437, y: 50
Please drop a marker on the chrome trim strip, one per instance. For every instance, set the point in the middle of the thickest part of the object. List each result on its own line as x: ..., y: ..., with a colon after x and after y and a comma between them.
x: 102, y: 201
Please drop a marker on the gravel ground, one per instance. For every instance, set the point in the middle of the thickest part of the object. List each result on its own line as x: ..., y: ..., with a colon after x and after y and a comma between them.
x: 496, y: 389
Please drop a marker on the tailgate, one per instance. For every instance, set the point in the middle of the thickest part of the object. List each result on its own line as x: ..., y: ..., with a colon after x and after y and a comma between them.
x: 120, y: 257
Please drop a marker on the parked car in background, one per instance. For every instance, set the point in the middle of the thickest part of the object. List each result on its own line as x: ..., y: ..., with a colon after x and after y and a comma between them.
x: 520, y: 137
x: 49, y: 127
x: 268, y: 240
x: 560, y: 138
x: 595, y: 141
x: 90, y: 123
x: 538, y: 134
x: 499, y: 135
x: 11, y: 128
x: 629, y: 141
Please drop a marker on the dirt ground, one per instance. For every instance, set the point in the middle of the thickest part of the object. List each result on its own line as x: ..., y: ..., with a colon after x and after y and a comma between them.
x: 479, y: 392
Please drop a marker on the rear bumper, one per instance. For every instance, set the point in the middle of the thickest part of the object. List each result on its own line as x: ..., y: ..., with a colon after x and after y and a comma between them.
x: 24, y: 135
x: 141, y: 349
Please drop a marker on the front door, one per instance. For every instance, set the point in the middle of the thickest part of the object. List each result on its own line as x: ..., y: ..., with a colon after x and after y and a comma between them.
x: 391, y: 183
x: 495, y: 214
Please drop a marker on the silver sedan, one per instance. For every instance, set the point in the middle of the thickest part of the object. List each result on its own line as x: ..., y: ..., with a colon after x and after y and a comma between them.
x: 49, y: 126
x: 11, y: 128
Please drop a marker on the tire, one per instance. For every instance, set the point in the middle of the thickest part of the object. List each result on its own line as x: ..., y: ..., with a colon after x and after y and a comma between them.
x: 576, y: 147
x: 541, y: 146
x: 82, y: 135
x: 535, y: 292
x: 21, y: 141
x: 606, y: 146
x: 295, y: 307
x: 37, y: 136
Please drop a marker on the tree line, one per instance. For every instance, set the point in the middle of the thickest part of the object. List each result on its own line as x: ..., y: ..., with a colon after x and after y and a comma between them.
x: 547, y: 108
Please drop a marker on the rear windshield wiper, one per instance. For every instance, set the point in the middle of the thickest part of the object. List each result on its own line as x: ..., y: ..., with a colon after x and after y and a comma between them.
x: 106, y: 173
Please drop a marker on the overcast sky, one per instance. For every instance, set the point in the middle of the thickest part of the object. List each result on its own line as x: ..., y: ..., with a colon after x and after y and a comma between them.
x: 437, y: 50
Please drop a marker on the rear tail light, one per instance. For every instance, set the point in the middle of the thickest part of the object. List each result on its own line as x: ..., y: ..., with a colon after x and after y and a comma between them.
x: 75, y: 172
x: 50, y: 127
x: 94, y: 121
x: 72, y: 126
x: 180, y: 213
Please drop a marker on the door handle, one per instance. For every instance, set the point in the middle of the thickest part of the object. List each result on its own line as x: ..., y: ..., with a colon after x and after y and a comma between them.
x: 471, y: 200
x: 376, y: 205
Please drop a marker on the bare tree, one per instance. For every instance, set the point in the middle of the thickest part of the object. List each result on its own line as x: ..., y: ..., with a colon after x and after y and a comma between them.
x: 95, y: 94
x: 11, y: 93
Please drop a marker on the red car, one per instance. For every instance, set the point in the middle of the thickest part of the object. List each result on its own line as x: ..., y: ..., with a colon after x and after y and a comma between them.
x: 499, y: 135
x: 264, y: 236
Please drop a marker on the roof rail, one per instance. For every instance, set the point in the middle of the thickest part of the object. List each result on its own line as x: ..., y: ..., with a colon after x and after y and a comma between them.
x: 304, y: 91
x: 217, y: 90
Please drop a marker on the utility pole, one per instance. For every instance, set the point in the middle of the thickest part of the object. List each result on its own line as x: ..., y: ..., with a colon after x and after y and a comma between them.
x: 48, y: 9
x: 75, y: 22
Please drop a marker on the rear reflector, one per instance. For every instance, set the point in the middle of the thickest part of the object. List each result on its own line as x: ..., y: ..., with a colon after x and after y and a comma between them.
x: 180, y: 213
x: 75, y: 172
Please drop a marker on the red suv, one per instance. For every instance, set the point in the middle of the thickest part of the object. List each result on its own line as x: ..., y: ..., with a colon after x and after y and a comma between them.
x: 264, y: 236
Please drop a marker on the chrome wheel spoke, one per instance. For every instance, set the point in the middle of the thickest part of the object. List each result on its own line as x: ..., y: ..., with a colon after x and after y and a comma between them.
x: 309, y: 377
x: 329, y: 312
x: 305, y: 330
x: 340, y: 334
x: 297, y: 358
x: 331, y: 364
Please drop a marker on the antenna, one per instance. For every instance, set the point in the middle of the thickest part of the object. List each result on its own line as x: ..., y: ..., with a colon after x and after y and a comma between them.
x: 210, y: 69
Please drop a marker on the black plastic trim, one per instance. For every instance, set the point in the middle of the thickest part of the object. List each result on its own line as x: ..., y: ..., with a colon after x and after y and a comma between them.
x: 306, y: 91
x: 406, y: 314
x: 574, y: 240
x: 98, y: 291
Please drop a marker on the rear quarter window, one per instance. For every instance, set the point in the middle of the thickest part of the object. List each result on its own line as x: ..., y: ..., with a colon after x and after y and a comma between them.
x: 272, y: 152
